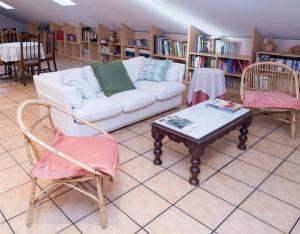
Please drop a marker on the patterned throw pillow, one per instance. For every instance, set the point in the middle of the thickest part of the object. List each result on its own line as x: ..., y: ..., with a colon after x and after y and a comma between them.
x: 154, y: 70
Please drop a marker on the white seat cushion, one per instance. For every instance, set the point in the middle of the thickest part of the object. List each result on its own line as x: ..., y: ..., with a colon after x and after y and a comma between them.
x: 134, y: 99
x: 97, y: 109
x: 163, y: 90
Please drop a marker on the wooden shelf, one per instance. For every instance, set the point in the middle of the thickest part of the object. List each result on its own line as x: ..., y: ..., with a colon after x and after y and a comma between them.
x: 137, y: 47
x: 168, y: 57
x: 280, y: 54
x: 115, y: 55
x: 228, y: 56
x: 114, y: 44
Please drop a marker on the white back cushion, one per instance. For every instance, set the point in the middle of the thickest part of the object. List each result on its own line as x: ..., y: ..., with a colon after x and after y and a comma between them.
x: 180, y: 69
x: 55, y: 77
x: 91, y: 78
x: 172, y: 73
x: 74, y: 96
x: 134, y: 66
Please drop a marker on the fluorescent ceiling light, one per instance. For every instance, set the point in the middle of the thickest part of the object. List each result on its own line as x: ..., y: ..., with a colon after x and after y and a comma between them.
x: 6, y: 6
x: 65, y: 2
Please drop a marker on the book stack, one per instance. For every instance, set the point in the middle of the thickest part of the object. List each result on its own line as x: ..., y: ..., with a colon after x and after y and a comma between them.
x: 113, y: 37
x: 89, y: 35
x: 165, y: 46
x: 138, y: 42
x: 232, y: 66
x: 215, y: 45
x: 200, y: 61
x: 227, y: 106
x: 293, y: 63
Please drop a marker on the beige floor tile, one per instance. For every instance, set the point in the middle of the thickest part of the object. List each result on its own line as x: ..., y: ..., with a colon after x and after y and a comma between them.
x: 9, y: 131
x: 122, y: 183
x: 205, y: 207
x: 16, y: 201
x: 283, y: 189
x: 139, y: 144
x: 296, y: 229
x: 75, y: 204
x: 245, y: 172
x: 295, y: 157
x: 149, y: 136
x: 47, y: 218
x: 123, y: 134
x: 133, y: 204
x: 2, y: 150
x: 227, y: 188
x: 289, y: 171
x: 7, y: 105
x: 226, y: 146
x: 215, y: 159
x: 169, y: 186
x: 140, y: 168
x: 4, y: 100
x: 4, y: 122
x: 234, y: 136
x: 12, y: 142
x: 182, y: 168
x: 19, y: 154
x: 261, y: 160
x: 271, y: 210
x: 125, y: 154
x: 259, y: 131
x: 12, y: 177
x: 4, y: 229
x: 140, y: 127
x: 242, y: 223
x: 6, y: 161
x: 281, y: 136
x: 142, y: 231
x: 118, y: 222
x: 1, y: 218
x: 266, y: 122
x: 70, y: 230
x: 179, y: 147
x: 168, y: 157
x: 166, y: 223
x: 273, y: 148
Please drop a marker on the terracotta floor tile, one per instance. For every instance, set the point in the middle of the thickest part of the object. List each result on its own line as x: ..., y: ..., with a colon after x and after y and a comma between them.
x: 273, y: 148
x: 118, y: 222
x: 266, y: 122
x: 140, y: 127
x: 140, y: 168
x: 261, y: 160
x: 123, y: 134
x: 1, y: 218
x: 169, y: 186
x: 139, y: 144
x: 282, y: 136
x: 133, y: 204
x: 295, y: 157
x: 7, y: 105
x: 234, y: 136
x: 4, y: 122
x: 289, y: 171
x: 165, y: 223
x: 213, y: 210
x: 4, y: 229
x: 245, y: 172
x: 283, y: 189
x: 215, y: 159
x: 125, y: 154
x: 271, y: 210
x: 2, y: 150
x: 242, y: 223
x: 6, y: 161
x: 227, y: 188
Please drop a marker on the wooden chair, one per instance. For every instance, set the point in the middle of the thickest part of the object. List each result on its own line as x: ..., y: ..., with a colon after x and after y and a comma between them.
x: 10, y: 36
x: 34, y: 119
x: 30, y: 56
x: 272, y: 88
x: 50, y: 51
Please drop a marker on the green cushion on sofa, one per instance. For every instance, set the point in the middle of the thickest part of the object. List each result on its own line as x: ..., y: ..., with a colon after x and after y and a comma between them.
x: 113, y: 77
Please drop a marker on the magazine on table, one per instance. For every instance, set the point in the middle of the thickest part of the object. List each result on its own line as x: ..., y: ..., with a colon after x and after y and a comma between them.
x: 178, y: 123
x: 227, y: 106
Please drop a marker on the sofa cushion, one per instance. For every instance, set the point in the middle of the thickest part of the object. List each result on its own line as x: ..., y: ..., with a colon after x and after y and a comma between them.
x: 134, y: 66
x: 74, y: 96
x: 97, y: 109
x: 91, y: 78
x: 154, y: 70
x: 163, y: 90
x: 132, y: 100
x: 112, y: 77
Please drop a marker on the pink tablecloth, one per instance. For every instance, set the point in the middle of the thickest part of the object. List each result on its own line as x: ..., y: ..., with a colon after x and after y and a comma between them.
x: 207, y: 83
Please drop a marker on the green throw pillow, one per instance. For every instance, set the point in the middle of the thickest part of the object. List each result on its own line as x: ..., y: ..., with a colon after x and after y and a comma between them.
x: 113, y: 77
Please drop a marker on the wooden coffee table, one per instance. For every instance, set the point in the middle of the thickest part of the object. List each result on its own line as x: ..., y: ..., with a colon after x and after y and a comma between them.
x: 212, y: 124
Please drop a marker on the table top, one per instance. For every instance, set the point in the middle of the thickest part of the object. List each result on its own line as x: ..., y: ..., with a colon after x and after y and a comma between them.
x: 15, y: 44
x: 206, y: 120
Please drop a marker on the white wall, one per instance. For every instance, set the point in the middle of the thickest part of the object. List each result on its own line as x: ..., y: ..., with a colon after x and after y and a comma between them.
x: 6, y: 22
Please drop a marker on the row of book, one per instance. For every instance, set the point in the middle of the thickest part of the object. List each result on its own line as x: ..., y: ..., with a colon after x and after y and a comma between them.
x: 130, y: 53
x: 294, y: 64
x: 88, y: 35
x: 138, y: 42
x: 215, y: 45
x: 233, y: 82
x: 201, y: 61
x: 232, y: 66
x: 168, y: 47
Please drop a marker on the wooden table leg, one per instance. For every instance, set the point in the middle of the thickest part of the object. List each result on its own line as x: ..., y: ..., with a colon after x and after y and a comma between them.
x: 243, y: 136
x: 157, y: 147
x: 196, y: 152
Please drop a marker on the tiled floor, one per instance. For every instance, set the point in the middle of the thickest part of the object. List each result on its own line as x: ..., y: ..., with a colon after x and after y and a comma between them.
x: 255, y: 191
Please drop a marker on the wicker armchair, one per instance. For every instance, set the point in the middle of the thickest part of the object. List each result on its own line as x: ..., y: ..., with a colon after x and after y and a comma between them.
x: 34, y: 119
x: 266, y: 79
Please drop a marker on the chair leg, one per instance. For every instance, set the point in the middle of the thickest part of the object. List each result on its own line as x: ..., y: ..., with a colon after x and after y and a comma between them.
x: 49, y: 68
x: 54, y: 63
x: 15, y: 72
x: 293, y: 125
x: 103, y: 220
x: 32, y: 196
x: 23, y: 76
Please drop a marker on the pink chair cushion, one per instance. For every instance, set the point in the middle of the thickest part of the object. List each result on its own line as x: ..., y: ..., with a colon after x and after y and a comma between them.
x: 100, y: 152
x: 268, y: 99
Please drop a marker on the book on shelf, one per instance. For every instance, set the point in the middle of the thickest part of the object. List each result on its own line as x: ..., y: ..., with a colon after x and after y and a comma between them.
x: 200, y: 61
x: 113, y: 37
x: 59, y: 35
x: 85, y: 53
x: 293, y: 63
x: 89, y: 36
x: 227, y: 106
x: 104, y: 50
x: 168, y: 47
x: 232, y: 82
x: 138, y: 42
x: 145, y: 53
x: 70, y: 37
x: 232, y: 66
x: 130, y: 52
x: 206, y: 44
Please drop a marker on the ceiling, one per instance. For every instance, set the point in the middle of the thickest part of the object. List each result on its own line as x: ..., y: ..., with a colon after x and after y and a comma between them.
x: 276, y: 18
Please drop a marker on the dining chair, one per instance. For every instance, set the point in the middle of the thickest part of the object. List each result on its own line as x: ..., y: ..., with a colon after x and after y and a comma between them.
x: 65, y: 160
x: 30, y: 56
x: 50, y: 51
x: 10, y: 35
x: 272, y: 88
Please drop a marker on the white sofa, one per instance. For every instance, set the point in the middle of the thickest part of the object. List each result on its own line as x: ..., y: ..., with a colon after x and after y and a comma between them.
x: 110, y: 113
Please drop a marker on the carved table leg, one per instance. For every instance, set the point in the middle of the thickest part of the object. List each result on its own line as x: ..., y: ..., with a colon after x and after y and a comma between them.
x: 243, y: 136
x: 157, y: 147
x: 196, y: 153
